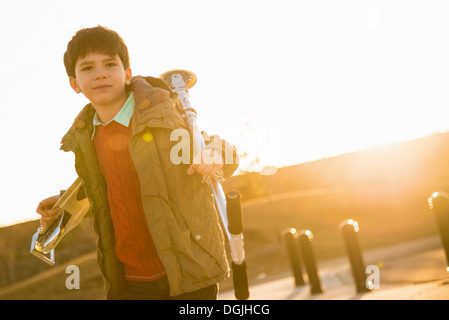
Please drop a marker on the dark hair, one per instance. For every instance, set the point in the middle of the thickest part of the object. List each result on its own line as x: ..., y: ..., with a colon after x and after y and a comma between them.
x: 94, y: 40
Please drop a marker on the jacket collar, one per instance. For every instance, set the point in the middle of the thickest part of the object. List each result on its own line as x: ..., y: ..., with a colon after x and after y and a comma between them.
x: 82, y: 122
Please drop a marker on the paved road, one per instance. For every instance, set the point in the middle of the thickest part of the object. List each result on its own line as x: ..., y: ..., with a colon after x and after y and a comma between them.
x: 410, y: 271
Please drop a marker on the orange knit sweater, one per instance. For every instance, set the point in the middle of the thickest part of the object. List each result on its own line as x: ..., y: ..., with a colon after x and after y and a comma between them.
x: 134, y: 245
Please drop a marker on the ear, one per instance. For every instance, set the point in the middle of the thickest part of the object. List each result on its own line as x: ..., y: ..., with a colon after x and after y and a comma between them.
x: 74, y: 85
x: 128, y: 76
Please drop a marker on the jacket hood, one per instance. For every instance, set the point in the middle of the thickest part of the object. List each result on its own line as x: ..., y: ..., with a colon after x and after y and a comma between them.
x: 84, y: 119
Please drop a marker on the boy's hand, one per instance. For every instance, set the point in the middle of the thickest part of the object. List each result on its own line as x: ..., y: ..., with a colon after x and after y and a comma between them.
x: 46, y: 210
x: 207, y: 163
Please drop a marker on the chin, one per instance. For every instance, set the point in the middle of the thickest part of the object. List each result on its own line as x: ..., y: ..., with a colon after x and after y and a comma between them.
x: 105, y: 99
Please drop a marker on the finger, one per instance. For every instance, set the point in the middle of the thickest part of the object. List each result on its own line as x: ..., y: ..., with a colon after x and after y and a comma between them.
x: 195, y: 163
x: 204, y: 162
x: 191, y: 170
x: 210, y: 156
x: 42, y: 210
x: 55, y: 211
x: 215, y: 169
x: 203, y: 168
x: 49, y: 218
x: 47, y: 203
x: 208, y: 170
x: 41, y: 207
x: 206, y: 179
x: 48, y: 212
x: 46, y: 220
x: 198, y: 166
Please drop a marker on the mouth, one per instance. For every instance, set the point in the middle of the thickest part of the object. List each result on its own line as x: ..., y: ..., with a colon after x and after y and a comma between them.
x: 102, y: 87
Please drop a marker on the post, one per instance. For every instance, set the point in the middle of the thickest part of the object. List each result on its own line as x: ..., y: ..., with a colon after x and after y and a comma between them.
x: 350, y: 228
x: 290, y: 237
x: 305, y: 243
x: 235, y: 228
x: 439, y: 204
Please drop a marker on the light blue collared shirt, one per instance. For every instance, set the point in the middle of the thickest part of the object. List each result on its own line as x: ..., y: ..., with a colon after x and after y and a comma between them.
x: 123, y: 116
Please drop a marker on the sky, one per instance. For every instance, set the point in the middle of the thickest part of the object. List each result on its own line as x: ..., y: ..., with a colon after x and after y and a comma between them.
x: 285, y: 81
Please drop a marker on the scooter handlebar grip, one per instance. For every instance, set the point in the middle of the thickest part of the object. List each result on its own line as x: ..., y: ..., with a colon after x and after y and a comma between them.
x: 234, y: 212
x: 240, y: 279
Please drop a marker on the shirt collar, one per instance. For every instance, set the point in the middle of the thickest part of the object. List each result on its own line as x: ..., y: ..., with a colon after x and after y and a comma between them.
x: 123, y: 116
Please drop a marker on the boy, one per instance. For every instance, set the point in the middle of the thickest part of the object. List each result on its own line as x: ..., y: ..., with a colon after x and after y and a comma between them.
x: 159, y: 235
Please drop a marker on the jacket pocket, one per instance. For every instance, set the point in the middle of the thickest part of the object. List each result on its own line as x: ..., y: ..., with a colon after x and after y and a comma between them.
x: 206, y: 233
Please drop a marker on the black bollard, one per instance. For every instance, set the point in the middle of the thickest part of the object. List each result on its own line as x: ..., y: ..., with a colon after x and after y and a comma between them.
x: 350, y: 228
x: 305, y: 244
x: 290, y: 237
x: 439, y: 203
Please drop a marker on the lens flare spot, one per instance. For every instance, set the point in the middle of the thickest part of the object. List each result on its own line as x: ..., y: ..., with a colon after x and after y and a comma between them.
x: 118, y: 142
x: 147, y: 137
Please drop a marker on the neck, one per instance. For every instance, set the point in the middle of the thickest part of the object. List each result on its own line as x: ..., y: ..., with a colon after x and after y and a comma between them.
x: 107, y: 112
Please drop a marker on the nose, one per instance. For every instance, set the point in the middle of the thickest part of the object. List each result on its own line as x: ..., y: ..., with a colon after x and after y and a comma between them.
x: 101, y: 74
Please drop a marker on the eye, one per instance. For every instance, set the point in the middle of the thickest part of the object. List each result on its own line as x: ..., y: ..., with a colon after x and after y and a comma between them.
x: 111, y: 64
x: 86, y: 68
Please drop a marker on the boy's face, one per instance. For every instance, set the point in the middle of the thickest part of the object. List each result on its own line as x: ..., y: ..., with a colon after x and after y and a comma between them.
x: 101, y: 78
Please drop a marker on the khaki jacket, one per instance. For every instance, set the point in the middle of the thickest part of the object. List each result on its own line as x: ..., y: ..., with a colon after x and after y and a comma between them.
x: 179, y: 208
